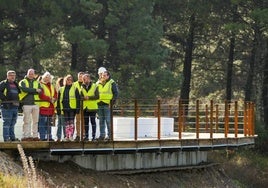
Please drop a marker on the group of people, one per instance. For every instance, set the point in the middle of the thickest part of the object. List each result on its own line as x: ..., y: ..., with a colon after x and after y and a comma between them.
x: 68, y: 100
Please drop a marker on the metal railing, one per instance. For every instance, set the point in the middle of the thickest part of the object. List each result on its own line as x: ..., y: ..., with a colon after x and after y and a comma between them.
x: 231, y: 118
x: 228, y: 117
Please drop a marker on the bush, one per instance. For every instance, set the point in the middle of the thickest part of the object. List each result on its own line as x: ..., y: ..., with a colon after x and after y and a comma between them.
x: 261, y: 142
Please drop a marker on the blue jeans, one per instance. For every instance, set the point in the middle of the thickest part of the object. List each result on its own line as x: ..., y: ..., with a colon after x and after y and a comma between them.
x: 104, y: 115
x: 10, y: 116
x: 44, y: 127
x: 61, y: 126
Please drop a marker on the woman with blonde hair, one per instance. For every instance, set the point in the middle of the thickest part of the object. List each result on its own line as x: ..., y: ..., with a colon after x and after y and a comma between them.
x: 48, y: 97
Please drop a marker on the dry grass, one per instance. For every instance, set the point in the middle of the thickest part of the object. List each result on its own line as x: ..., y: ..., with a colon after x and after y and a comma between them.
x: 30, y: 178
x: 12, y: 181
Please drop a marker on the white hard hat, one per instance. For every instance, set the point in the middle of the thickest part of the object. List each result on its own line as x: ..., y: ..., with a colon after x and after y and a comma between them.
x: 101, y: 70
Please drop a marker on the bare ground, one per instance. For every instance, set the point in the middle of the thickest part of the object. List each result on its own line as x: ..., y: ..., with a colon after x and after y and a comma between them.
x: 232, y: 170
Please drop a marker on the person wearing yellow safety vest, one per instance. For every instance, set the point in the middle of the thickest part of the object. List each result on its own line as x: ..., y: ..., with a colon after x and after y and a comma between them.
x: 29, y: 96
x: 89, y: 95
x: 108, y: 94
x: 101, y: 70
x: 60, y: 117
x: 48, y: 98
x: 9, y: 95
x: 69, y: 102
x: 78, y: 125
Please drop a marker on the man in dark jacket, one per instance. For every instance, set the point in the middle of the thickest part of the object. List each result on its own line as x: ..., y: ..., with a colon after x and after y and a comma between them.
x: 9, y: 95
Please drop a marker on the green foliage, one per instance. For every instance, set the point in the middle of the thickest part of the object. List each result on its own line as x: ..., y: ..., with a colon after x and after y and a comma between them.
x: 48, y: 48
x: 261, y: 142
x: 145, y: 44
x: 143, y: 41
x: 234, y: 27
x: 10, y: 5
x: 3, y: 74
x: 261, y: 16
x: 77, y: 33
x: 99, y: 48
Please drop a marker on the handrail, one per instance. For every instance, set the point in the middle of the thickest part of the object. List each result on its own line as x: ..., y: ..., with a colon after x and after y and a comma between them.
x: 228, y: 117
x: 235, y: 116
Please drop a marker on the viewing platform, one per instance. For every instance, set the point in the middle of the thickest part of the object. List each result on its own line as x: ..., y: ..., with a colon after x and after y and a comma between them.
x: 153, y: 134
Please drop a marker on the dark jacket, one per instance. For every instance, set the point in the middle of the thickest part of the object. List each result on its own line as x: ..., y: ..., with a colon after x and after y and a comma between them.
x: 8, y: 99
x: 65, y: 102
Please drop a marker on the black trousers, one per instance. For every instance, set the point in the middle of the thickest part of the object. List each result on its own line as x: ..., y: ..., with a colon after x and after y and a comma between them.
x: 92, y: 116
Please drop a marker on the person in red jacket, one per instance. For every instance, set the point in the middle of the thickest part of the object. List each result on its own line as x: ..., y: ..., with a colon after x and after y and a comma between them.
x: 48, y: 97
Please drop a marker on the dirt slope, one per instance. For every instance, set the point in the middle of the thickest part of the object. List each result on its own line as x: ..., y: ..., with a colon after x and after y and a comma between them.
x: 70, y: 175
x: 232, y: 171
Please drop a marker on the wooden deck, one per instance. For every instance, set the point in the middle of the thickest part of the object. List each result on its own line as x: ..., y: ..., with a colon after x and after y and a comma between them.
x: 165, y: 144
x: 196, y: 127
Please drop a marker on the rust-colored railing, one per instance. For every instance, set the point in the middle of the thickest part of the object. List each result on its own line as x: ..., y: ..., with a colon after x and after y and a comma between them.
x: 230, y: 118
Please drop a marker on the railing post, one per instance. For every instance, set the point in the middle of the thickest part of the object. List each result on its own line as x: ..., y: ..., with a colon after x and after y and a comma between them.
x: 112, y: 119
x: 197, y: 119
x: 211, y: 119
x: 82, y: 122
x: 136, y: 120
x: 158, y: 119
x: 250, y: 119
x: 183, y: 116
x: 253, y: 119
x: 226, y: 118
x: 236, y: 119
x: 217, y: 118
x: 206, y: 117
x: 180, y: 113
x: 245, y: 119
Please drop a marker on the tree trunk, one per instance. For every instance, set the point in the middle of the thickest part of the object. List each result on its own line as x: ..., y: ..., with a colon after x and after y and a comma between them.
x: 82, y: 63
x: 229, y: 75
x: 74, y: 56
x: 265, y: 88
x: 248, y: 87
x: 101, y: 30
x: 1, y: 41
x: 1, y: 53
x: 19, y: 52
x: 187, y: 65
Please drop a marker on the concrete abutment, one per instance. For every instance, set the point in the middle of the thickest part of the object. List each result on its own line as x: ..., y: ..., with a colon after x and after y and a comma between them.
x: 137, y: 161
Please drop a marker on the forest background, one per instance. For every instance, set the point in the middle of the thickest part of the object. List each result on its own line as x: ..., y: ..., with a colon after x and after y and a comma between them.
x: 187, y: 49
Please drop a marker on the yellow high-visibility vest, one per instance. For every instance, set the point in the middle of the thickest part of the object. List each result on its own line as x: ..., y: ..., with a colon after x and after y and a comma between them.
x: 90, y: 104
x: 105, y: 91
x: 23, y: 94
x: 72, y: 99
x: 77, y: 85
x: 49, y: 93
